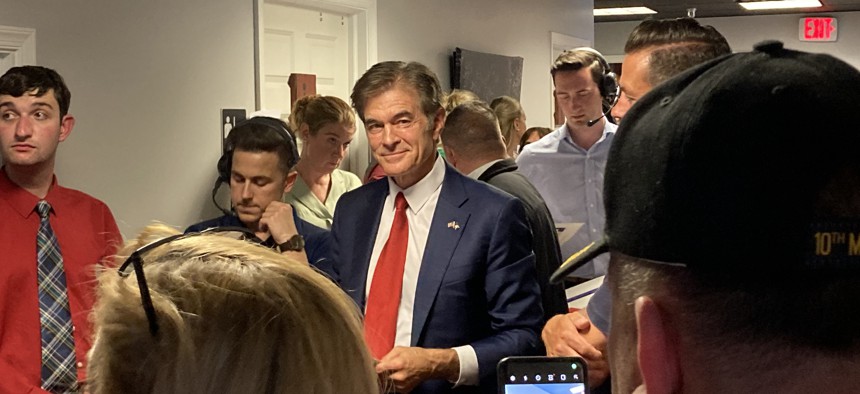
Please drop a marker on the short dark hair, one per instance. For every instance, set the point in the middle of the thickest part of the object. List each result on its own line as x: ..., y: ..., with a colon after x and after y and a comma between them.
x: 658, y: 32
x: 36, y: 80
x: 764, y: 314
x: 577, y: 58
x: 670, y: 60
x: 385, y: 75
x: 473, y: 128
x: 252, y: 136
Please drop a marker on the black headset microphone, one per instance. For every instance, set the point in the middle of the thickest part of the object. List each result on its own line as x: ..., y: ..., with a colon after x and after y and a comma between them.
x: 613, y: 99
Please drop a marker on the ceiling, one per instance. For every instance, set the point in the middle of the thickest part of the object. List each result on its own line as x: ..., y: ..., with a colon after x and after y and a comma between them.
x: 710, y: 8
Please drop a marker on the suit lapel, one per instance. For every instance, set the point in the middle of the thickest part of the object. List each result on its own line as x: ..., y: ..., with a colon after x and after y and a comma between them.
x: 366, y: 236
x: 449, y: 223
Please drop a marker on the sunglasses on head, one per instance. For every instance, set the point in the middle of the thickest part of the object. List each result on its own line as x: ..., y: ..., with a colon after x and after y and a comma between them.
x: 136, y: 261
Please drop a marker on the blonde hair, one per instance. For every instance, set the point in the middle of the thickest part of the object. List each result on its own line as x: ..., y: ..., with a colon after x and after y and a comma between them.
x: 234, y: 317
x: 317, y: 111
x: 457, y: 97
x: 508, y: 110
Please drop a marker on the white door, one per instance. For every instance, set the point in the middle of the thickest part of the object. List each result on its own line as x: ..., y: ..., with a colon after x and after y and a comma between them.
x: 298, y: 40
x: 332, y: 39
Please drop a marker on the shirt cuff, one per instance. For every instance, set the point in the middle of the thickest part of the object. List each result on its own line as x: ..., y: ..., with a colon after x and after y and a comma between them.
x: 468, y: 366
x: 599, y: 308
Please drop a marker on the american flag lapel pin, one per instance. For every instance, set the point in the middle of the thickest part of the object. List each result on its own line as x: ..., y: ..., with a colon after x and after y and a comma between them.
x: 454, y: 225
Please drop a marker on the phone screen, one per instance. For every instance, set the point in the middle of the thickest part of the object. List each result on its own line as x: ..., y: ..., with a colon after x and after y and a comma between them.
x: 542, y: 375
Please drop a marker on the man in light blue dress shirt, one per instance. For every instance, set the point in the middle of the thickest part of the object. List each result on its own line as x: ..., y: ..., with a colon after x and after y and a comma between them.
x: 566, y: 166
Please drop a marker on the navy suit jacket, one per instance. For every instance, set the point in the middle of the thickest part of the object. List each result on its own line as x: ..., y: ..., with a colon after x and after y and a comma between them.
x: 476, y: 284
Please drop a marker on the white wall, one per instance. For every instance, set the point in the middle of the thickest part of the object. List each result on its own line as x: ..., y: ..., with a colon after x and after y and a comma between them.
x: 744, y: 32
x: 148, y: 79
x: 429, y: 31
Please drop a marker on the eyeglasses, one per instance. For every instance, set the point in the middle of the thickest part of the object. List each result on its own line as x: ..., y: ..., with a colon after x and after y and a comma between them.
x: 136, y: 260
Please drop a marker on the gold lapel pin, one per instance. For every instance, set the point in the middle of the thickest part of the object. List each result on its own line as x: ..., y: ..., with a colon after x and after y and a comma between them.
x: 454, y: 225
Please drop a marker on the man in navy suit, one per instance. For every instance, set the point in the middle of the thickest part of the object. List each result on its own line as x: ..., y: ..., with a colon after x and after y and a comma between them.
x: 441, y: 264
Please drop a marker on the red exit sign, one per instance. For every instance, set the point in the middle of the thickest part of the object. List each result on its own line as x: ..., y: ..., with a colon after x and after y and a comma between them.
x: 818, y: 29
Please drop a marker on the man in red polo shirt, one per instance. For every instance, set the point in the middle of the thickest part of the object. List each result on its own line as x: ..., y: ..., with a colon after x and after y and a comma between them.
x: 51, y: 239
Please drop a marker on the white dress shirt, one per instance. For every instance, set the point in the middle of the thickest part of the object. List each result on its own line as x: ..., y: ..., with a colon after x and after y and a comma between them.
x: 422, y: 198
x: 570, y: 180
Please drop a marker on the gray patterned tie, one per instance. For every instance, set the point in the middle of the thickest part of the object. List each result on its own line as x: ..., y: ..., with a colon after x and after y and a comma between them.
x: 58, y: 343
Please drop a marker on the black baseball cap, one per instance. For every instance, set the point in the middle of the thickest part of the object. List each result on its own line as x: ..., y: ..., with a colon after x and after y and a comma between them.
x: 745, y: 166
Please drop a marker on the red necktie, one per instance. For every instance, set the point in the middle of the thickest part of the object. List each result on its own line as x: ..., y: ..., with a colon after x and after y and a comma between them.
x: 380, y: 316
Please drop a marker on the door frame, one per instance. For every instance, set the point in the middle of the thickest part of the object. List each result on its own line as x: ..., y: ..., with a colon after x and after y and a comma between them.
x: 20, y: 43
x: 362, y: 55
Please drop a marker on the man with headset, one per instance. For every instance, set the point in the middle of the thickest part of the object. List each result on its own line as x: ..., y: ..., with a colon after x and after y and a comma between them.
x: 258, y: 163
x: 656, y: 50
x: 566, y: 166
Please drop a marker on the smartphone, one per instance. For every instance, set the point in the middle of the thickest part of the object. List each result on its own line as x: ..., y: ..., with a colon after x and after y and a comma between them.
x: 533, y: 375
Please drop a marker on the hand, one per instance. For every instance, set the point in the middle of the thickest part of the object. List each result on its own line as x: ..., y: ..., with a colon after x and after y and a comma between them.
x: 407, y: 367
x: 278, y: 221
x: 573, y: 335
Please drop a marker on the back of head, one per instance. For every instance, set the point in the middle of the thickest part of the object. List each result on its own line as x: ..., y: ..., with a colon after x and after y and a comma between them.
x: 317, y: 111
x: 234, y: 317
x: 385, y: 75
x: 739, y: 213
x: 472, y: 131
x: 457, y: 97
x: 507, y: 110
x: 660, y: 32
x: 36, y: 80
x: 675, y: 45
x: 263, y: 134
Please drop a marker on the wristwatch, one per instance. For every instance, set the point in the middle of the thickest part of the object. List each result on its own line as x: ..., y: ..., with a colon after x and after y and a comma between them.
x: 295, y: 244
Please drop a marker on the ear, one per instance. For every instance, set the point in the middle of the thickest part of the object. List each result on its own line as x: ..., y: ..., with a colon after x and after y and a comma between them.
x: 304, y: 131
x: 657, y: 351
x: 290, y: 180
x: 438, y: 123
x: 66, y: 125
x: 450, y: 155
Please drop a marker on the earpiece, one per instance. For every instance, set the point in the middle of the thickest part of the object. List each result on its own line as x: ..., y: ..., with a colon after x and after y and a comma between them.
x: 608, y: 85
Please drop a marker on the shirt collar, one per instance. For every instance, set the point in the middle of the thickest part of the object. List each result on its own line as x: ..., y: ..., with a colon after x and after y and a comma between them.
x: 21, y: 200
x: 418, y: 194
x: 476, y: 173
x: 608, y: 129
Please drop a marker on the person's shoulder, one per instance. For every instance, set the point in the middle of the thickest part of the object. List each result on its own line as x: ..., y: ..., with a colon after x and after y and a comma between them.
x: 350, y: 180
x: 78, y: 198
x: 364, y: 191
x: 220, y: 221
x: 483, y: 192
x: 308, y: 229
